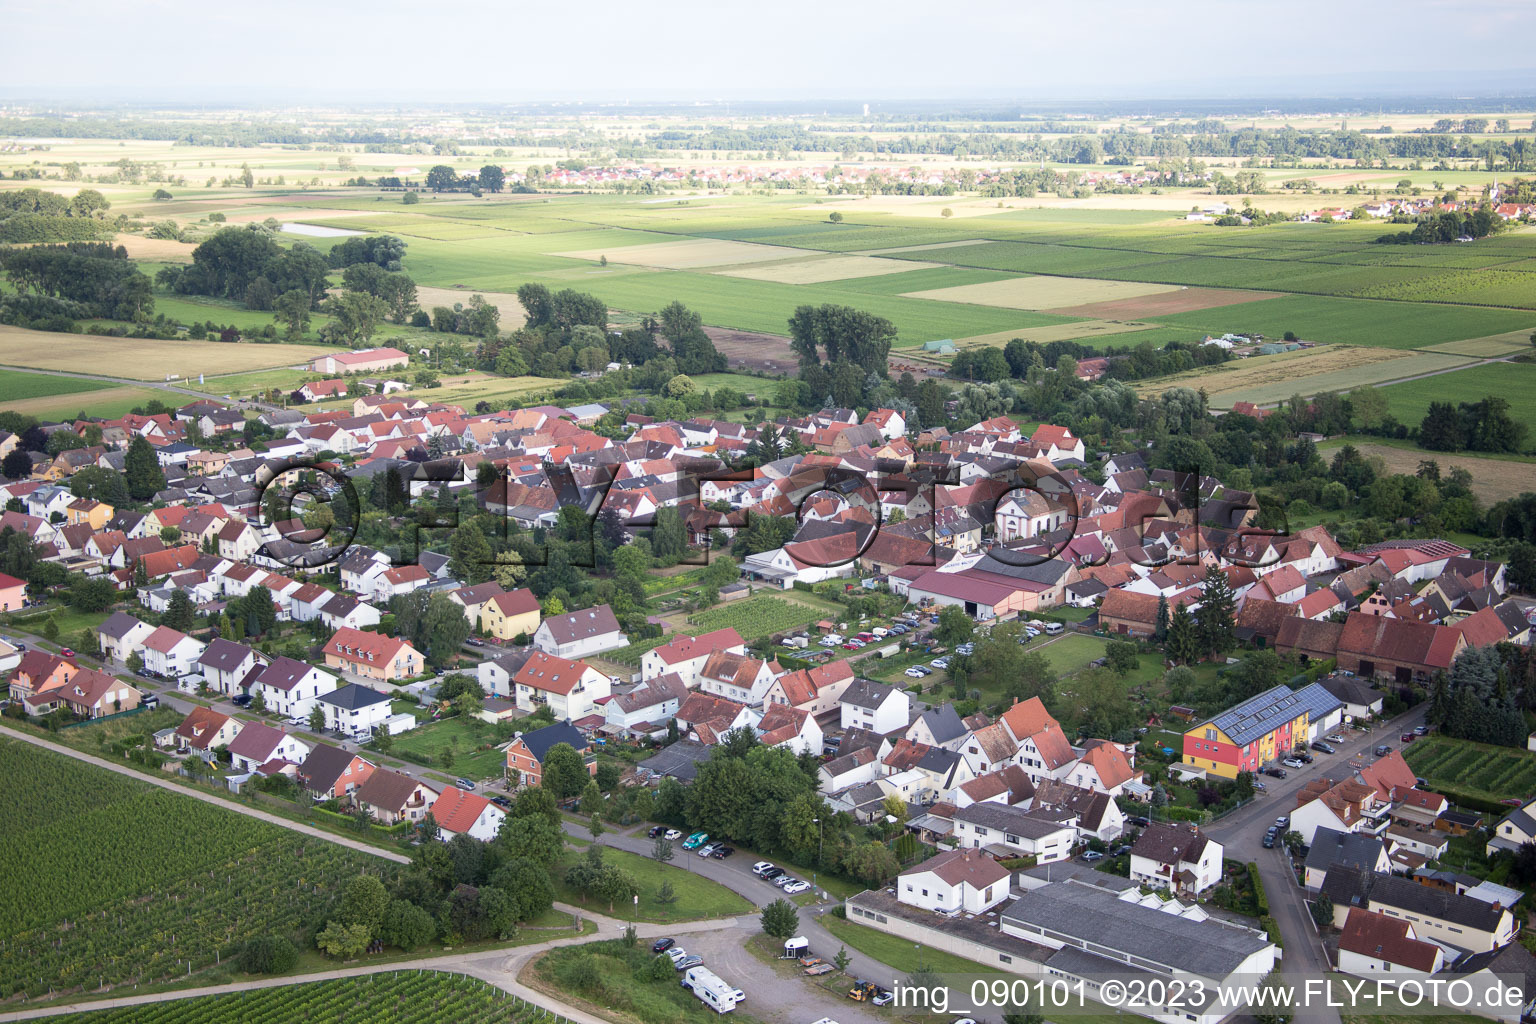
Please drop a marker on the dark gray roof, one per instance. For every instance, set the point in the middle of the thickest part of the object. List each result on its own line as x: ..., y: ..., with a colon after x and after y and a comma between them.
x: 1330, y: 847
x: 117, y: 625
x: 943, y: 723
x: 539, y: 741
x: 223, y: 655
x: 1356, y: 888
x: 1094, y: 915
x: 324, y: 766
x: 1010, y: 820
x: 354, y: 696
x: 582, y: 625
x: 866, y: 693
x: 1512, y: 958
x: 283, y: 674
x: 1351, y: 691
x: 680, y: 760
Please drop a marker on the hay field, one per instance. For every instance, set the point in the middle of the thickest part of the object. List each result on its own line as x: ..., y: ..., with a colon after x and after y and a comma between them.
x: 1077, y: 330
x: 1040, y: 293
x: 1493, y: 480
x: 1268, y: 379
x: 826, y: 268
x: 512, y: 314
x: 1491, y: 347
x: 466, y: 390
x: 1185, y: 300
x: 688, y: 254
x: 160, y: 250
x: 143, y: 359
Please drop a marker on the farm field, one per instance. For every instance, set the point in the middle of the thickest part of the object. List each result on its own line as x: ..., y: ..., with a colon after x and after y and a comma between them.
x: 756, y: 616
x: 1510, y: 343
x: 143, y: 359
x: 689, y: 254
x: 108, y: 402
x: 1474, y: 769
x: 1274, y: 378
x: 698, y: 898
x: 1493, y: 479
x: 1041, y: 293
x: 828, y: 268
x: 155, y: 902
x: 17, y: 386
x: 1516, y: 382
x: 1105, y: 333
x: 406, y: 997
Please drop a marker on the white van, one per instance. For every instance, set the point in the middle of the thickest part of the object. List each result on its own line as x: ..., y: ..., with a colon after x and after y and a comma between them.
x: 1054, y: 627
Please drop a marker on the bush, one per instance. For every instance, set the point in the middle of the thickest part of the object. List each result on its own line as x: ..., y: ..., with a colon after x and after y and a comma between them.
x: 268, y: 954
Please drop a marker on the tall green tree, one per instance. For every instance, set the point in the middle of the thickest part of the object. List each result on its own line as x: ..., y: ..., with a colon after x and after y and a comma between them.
x: 142, y: 469
x: 1218, y: 613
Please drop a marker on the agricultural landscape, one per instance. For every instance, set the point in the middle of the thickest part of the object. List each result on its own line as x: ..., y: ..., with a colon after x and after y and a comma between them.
x: 653, y: 526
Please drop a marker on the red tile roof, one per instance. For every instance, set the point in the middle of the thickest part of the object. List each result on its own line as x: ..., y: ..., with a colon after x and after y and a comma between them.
x: 1386, y: 938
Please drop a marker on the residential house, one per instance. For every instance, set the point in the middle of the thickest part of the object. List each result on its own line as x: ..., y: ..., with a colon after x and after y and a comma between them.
x: 965, y: 881
x: 354, y: 710
x: 466, y: 814
x: 13, y: 593
x: 737, y: 677
x: 171, y: 653
x: 1261, y: 729
x: 259, y: 743
x: 1103, y: 767
x: 580, y: 633
x: 205, y: 731
x: 878, y: 707
x: 1331, y: 847
x: 225, y: 665
x: 87, y: 694
x: 390, y: 797
x: 644, y: 711
x: 332, y: 772
x: 527, y: 751
x: 509, y: 615
x: 1346, y: 806
x: 685, y: 656
x: 1013, y: 832
x: 1373, y: 944
x: 570, y: 688
x: 372, y: 655
x: 1176, y: 856
x: 289, y: 687
x: 784, y: 726
x: 120, y: 635
x: 1094, y: 813
x: 1438, y: 916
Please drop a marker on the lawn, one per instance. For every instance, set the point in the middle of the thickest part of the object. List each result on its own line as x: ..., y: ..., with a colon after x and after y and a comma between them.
x: 896, y: 952
x: 462, y: 739
x: 698, y: 897
x: 1071, y: 652
x: 1480, y: 770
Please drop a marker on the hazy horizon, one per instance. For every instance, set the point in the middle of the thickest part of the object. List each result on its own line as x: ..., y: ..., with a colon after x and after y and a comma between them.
x: 177, y: 52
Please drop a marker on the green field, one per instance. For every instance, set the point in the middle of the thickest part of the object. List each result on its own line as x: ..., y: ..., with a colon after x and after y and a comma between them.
x: 756, y: 616
x: 1455, y: 766
x: 612, y: 980
x: 129, y: 883
x: 897, y: 952
x: 405, y: 997
x: 1516, y: 382
x: 16, y: 385
x: 697, y: 897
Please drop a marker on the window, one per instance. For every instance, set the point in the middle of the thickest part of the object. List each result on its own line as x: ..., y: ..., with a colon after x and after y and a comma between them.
x: 1004, y: 958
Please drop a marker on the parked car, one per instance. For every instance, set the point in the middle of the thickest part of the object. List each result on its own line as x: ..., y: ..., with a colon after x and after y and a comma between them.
x: 502, y: 802
x: 475, y: 641
x: 464, y: 784
x: 898, y: 629
x: 1273, y: 772
x: 722, y: 852
x: 966, y: 649
x: 1283, y: 822
x: 696, y: 840
x: 688, y: 961
x: 1302, y: 756
x: 1407, y: 737
x: 677, y: 953
x: 709, y: 849
x: 149, y: 700
x: 883, y: 997
x: 1336, y: 738
x: 773, y: 873
x: 796, y: 886
x: 1269, y: 841
x: 1258, y: 787
x: 1093, y: 855
x: 1141, y: 821
x: 1294, y: 762
x: 655, y: 831
x: 241, y: 700
x: 1420, y: 730
x: 662, y: 945
x: 1382, y: 750
x: 761, y: 866
x: 1320, y: 745
x: 940, y: 662
x: 785, y: 879
x: 672, y: 835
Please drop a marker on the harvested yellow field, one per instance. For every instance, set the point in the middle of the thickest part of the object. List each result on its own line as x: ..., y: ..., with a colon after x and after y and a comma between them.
x: 161, y: 250
x: 1491, y: 347
x: 470, y: 389
x: 1267, y: 379
x: 1055, y: 332
x: 512, y: 314
x: 1042, y: 292
x: 689, y: 254
x: 1493, y: 480
x: 142, y: 358
x: 828, y: 268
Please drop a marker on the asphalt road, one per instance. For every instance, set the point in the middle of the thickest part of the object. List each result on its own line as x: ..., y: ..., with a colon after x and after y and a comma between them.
x: 1241, y: 833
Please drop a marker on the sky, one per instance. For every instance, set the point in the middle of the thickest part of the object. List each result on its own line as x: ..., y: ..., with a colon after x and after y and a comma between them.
x: 390, y: 51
